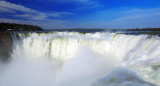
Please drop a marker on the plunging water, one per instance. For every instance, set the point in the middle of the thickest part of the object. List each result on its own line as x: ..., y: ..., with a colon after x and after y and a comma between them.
x: 76, y: 59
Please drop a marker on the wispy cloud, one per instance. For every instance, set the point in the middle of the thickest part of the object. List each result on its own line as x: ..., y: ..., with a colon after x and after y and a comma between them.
x: 31, y: 16
x: 90, y: 5
x: 83, y: 4
x: 3, y: 9
x: 79, y: 1
x: 116, y: 13
x: 121, y: 18
x: 48, y: 24
x: 28, y: 12
x: 139, y: 19
x: 15, y: 7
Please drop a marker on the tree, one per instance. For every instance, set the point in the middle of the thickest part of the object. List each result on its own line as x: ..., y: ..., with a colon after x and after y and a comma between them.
x: 18, y: 27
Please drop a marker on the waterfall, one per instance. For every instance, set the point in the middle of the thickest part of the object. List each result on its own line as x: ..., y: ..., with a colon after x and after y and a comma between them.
x: 78, y: 59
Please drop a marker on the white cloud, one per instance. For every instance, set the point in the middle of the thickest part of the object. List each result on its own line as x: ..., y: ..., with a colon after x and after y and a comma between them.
x: 116, y: 13
x: 64, y: 1
x: 28, y: 12
x: 137, y: 21
x: 60, y: 14
x: 83, y: 4
x: 111, y: 18
x: 90, y: 5
x: 2, y: 9
x: 47, y: 24
x: 137, y: 18
x: 30, y: 16
x: 121, y: 18
x: 14, y: 7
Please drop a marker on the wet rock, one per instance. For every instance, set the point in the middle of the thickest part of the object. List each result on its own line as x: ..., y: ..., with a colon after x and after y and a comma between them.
x: 5, y: 45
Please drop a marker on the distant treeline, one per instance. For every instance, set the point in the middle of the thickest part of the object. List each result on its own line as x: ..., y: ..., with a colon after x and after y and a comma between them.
x: 145, y: 29
x: 98, y: 29
x: 18, y: 27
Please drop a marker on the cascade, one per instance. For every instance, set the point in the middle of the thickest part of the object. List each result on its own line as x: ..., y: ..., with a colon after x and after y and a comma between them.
x: 76, y: 59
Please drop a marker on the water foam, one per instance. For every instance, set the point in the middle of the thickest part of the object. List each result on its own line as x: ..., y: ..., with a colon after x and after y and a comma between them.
x: 75, y: 59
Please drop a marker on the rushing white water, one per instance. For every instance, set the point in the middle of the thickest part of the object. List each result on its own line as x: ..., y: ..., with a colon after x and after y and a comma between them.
x: 76, y: 59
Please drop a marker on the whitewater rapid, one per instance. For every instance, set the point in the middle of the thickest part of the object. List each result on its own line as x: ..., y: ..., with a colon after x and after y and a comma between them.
x: 78, y: 59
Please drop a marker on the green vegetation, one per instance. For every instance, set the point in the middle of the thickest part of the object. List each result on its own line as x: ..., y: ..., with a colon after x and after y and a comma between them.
x: 18, y: 27
x: 145, y: 29
x: 149, y: 31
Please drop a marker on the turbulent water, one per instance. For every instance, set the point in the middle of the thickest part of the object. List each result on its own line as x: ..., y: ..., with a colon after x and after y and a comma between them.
x: 77, y: 59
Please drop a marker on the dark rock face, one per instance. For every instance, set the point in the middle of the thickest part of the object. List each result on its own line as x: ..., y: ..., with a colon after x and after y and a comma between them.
x: 5, y: 45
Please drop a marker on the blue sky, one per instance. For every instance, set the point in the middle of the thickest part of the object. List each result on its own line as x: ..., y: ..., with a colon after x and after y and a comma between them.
x: 62, y: 14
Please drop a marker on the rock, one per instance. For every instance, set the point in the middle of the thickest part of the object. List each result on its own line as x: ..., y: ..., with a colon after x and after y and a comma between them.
x: 5, y: 45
